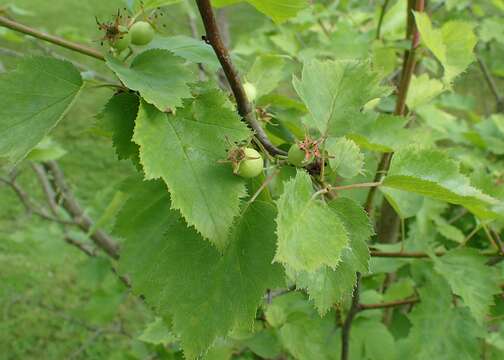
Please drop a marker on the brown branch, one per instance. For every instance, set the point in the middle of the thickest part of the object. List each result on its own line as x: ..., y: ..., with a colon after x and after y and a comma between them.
x: 79, y: 245
x: 245, y: 109
x: 419, y: 254
x: 386, y: 305
x: 14, y: 25
x: 70, y: 204
x: 46, y: 187
x: 402, y: 92
x: 102, y: 238
x: 28, y: 204
x: 347, y: 324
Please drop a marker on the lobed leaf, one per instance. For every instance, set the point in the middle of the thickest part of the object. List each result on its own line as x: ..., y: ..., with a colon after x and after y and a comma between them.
x: 310, y: 233
x: 191, y: 49
x: 158, y: 75
x: 432, y: 173
x: 207, y: 294
x: 328, y: 286
x: 470, y: 278
x: 453, y: 44
x: 118, y: 117
x: 335, y: 93
x: 345, y: 157
x: 438, y: 330
x: 185, y: 149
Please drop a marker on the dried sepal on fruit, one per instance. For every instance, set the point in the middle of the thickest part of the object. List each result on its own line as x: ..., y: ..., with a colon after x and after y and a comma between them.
x: 304, y: 152
x: 116, y: 32
x: 245, y: 161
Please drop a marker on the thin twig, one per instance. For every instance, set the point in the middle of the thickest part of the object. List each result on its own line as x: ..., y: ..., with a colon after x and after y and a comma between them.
x: 70, y: 204
x: 28, y: 204
x: 79, y: 245
x: 495, y: 244
x: 402, y: 93
x: 419, y: 254
x: 347, y: 324
x: 10, y: 52
x: 491, y: 84
x: 460, y: 214
x: 324, y: 28
x: 470, y: 235
x: 355, y: 186
x: 213, y: 36
x: 380, y: 20
x: 263, y: 186
x: 389, y: 304
x: 51, y: 198
x: 16, y: 26
x: 46, y: 187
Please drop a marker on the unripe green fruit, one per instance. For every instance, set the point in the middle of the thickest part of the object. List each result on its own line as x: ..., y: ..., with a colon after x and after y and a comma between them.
x: 297, y: 156
x: 250, y: 90
x: 252, y: 165
x: 122, y: 42
x: 142, y: 33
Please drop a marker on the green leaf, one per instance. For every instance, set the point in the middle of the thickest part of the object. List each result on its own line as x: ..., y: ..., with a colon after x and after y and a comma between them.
x: 452, y: 45
x: 422, y: 90
x: 491, y: 29
x: 448, y: 231
x: 157, y: 332
x: 406, y: 204
x: 385, y: 134
x: 145, y: 214
x: 265, y: 344
x: 440, y: 331
x: 310, y: 233
x: 159, y: 76
x: 381, y: 345
x: 327, y: 286
x: 491, y: 131
x: 278, y: 10
x: 184, y: 150
x: 110, y: 212
x: 345, y: 157
x: 305, y: 334
x: 191, y: 49
x: 118, y: 117
x: 266, y: 73
x: 184, y: 278
x: 432, y: 173
x: 336, y: 91
x: 34, y: 98
x: 470, y: 278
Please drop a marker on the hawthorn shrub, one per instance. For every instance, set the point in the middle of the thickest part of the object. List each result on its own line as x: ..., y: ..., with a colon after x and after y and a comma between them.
x: 327, y: 183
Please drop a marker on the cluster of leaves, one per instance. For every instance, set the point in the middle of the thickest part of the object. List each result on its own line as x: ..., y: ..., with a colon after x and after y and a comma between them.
x: 213, y: 254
